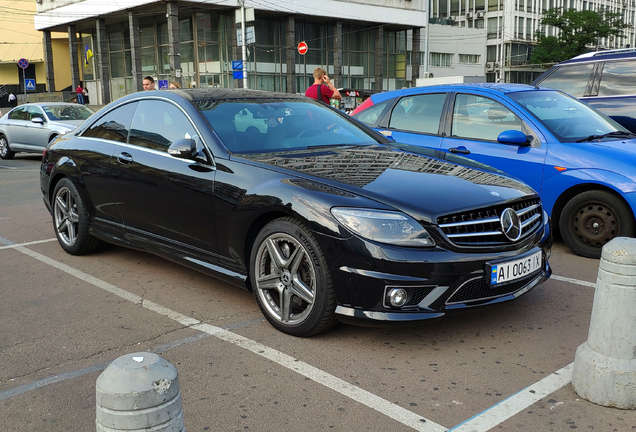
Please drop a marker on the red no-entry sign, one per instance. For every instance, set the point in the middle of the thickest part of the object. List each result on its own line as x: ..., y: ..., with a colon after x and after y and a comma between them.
x: 302, y: 48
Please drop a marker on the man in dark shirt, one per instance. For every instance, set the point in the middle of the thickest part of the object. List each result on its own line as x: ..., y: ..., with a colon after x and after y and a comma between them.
x: 326, y: 91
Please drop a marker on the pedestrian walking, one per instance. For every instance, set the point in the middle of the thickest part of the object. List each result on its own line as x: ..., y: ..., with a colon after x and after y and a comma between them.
x: 13, y: 101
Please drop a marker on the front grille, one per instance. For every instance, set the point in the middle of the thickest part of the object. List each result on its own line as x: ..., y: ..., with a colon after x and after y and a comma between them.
x: 482, y: 227
x: 478, y: 289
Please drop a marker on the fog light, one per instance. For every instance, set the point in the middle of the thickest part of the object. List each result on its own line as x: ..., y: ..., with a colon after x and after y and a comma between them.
x: 397, y: 297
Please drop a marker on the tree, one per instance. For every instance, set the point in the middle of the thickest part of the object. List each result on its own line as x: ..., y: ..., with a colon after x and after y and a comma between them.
x: 577, y: 30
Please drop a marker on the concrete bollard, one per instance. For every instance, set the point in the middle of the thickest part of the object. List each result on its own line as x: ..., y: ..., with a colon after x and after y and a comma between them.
x: 605, y: 366
x: 139, y: 392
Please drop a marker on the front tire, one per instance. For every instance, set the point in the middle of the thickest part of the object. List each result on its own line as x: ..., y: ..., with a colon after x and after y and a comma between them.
x: 5, y: 151
x: 70, y: 220
x: 593, y: 218
x: 290, y: 279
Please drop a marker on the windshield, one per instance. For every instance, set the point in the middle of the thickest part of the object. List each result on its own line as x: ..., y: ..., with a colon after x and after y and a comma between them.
x: 67, y: 112
x: 251, y: 127
x: 568, y: 119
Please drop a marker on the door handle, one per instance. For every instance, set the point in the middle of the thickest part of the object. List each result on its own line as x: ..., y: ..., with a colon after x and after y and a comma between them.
x: 125, y: 158
x: 459, y: 150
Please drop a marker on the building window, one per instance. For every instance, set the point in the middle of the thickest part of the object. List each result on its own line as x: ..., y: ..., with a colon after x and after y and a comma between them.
x: 441, y: 60
x: 492, y: 28
x: 469, y: 58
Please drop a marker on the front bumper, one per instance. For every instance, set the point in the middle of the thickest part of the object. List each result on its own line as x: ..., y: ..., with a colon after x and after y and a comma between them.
x: 438, y: 281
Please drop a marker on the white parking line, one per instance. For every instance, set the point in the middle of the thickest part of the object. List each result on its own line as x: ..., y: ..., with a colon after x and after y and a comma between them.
x: 482, y: 422
x: 364, y: 397
x: 573, y: 281
x: 516, y: 403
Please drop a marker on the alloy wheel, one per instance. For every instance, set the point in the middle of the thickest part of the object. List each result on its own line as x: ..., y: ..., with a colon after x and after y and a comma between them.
x: 66, y: 216
x: 285, y: 279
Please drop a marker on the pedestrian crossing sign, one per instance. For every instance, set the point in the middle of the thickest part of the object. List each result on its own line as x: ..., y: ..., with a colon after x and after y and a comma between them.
x: 30, y: 84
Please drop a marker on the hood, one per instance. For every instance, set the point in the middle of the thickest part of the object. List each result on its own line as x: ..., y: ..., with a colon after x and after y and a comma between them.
x: 423, y: 186
x: 618, y: 156
x: 67, y: 124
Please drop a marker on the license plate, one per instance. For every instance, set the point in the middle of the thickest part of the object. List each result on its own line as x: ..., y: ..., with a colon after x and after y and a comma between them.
x: 508, y: 271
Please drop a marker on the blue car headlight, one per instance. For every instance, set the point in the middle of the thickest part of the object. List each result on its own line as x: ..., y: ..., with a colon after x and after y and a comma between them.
x: 383, y: 226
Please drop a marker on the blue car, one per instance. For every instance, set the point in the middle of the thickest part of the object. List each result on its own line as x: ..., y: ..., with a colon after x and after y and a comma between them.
x: 582, y: 162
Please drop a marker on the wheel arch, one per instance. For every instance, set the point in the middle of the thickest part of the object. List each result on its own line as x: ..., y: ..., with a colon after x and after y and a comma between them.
x: 67, y: 168
x: 575, y: 190
x: 257, y: 225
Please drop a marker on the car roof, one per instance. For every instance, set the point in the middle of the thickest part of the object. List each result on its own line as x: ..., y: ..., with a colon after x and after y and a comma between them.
x: 490, y: 88
x: 212, y: 94
x: 602, y: 55
x: 40, y: 104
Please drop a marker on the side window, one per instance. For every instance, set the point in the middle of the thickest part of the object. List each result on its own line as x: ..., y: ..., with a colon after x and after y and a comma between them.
x: 619, y: 78
x: 35, y: 112
x: 420, y: 113
x: 18, y: 114
x: 114, y: 125
x: 570, y: 79
x: 158, y: 124
x: 371, y: 115
x: 480, y: 118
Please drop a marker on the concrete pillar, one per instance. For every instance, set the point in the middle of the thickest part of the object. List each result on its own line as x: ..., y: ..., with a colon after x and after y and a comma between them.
x: 337, y: 54
x: 139, y: 392
x: 72, y: 48
x: 135, y: 50
x: 379, y: 58
x: 102, y: 59
x: 605, y: 366
x: 172, y: 12
x: 290, y: 54
x: 48, y: 61
x: 416, y: 55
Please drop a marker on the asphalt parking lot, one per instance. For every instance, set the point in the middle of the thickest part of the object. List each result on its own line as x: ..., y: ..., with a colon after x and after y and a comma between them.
x: 64, y: 318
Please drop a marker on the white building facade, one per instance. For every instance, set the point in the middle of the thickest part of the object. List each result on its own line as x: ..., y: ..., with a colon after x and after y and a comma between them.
x: 511, y: 25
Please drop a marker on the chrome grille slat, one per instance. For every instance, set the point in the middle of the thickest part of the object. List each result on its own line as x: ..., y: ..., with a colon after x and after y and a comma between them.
x: 474, y: 234
x: 482, y: 227
x: 469, y: 223
x: 529, y: 221
x: 527, y: 210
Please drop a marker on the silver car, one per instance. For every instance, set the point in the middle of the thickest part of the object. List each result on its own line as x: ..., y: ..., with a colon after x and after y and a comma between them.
x: 31, y: 127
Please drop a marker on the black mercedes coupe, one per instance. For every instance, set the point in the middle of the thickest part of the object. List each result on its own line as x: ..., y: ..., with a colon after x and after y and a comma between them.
x: 322, y: 218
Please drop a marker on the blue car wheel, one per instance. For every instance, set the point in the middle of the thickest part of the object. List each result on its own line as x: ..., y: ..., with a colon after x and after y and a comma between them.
x: 593, y: 218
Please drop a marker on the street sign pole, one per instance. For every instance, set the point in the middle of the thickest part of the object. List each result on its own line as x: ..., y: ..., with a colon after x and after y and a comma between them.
x: 23, y: 64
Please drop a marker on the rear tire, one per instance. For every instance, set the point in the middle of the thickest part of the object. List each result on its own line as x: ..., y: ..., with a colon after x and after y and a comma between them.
x: 70, y: 220
x: 5, y: 151
x: 291, y: 280
x: 593, y: 218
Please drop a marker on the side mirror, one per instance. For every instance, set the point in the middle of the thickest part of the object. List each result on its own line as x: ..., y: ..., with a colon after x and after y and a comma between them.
x: 38, y: 120
x: 183, y: 149
x: 513, y: 137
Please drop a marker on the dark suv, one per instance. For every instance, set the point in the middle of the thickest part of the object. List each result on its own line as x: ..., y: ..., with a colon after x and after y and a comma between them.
x: 605, y: 80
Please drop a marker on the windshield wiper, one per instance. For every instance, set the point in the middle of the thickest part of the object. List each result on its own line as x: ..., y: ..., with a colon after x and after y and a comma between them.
x: 324, y: 146
x: 614, y: 134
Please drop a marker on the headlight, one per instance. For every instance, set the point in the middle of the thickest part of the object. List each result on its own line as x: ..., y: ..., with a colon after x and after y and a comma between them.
x: 383, y: 226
